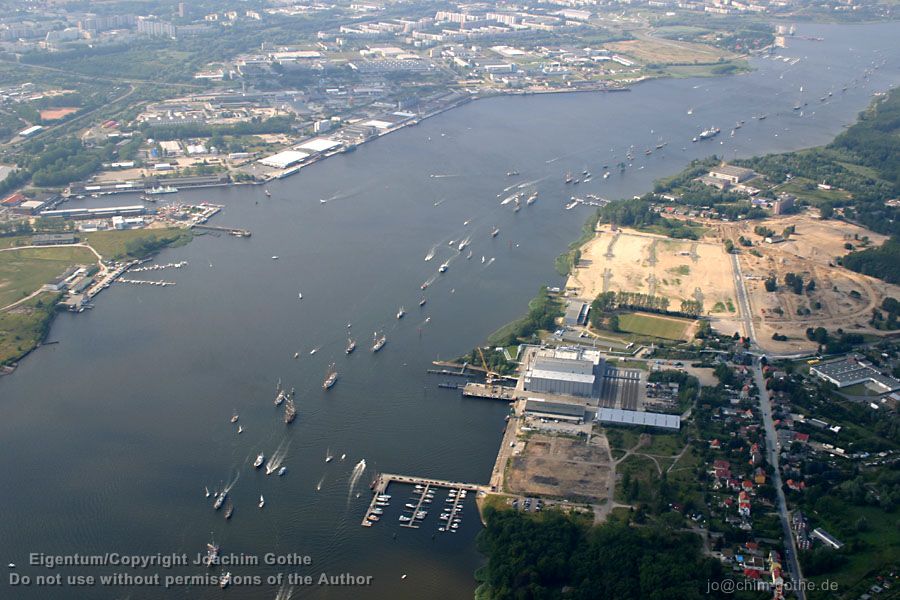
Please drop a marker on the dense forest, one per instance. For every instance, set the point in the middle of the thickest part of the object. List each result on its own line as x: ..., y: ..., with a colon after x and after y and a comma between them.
x: 639, y: 213
x: 554, y: 556
x: 882, y: 262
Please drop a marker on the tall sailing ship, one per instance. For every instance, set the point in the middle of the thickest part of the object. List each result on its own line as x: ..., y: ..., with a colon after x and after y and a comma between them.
x: 330, y: 377
x: 378, y: 342
x: 290, y: 411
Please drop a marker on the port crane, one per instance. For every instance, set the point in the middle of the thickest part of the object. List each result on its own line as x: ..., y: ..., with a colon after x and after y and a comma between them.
x: 491, y: 374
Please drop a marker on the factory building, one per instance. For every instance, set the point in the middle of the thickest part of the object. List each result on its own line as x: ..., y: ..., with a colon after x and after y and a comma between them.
x: 572, y: 372
x: 543, y: 409
x: 852, y: 371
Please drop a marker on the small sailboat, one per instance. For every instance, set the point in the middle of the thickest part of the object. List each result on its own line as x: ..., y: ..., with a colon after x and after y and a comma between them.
x: 296, y: 355
x: 275, y: 257
x: 328, y: 456
x: 343, y: 456
x: 300, y: 295
x: 495, y: 231
x: 401, y: 312
x: 240, y: 429
x: 262, y: 501
x: 422, y: 302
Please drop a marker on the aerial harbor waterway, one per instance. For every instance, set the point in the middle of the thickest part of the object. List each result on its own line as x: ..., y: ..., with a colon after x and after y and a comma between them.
x: 110, y: 437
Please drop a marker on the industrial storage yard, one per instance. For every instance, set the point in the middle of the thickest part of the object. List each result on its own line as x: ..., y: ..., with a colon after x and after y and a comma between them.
x: 630, y: 261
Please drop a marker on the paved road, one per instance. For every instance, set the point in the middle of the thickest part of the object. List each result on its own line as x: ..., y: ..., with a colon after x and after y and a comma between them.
x: 790, y: 549
x: 743, y: 301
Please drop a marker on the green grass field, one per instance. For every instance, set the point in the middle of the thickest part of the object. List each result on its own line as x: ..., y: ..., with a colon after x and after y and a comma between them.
x: 112, y: 244
x: 23, y: 327
x: 668, y: 328
x: 22, y: 272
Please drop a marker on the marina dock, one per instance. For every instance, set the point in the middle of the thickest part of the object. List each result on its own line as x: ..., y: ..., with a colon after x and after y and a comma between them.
x: 489, y: 391
x: 384, y: 480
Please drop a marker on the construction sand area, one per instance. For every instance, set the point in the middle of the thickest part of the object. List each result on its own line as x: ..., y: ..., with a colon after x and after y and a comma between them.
x: 630, y: 261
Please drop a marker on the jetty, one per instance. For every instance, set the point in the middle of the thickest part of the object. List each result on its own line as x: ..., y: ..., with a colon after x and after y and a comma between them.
x: 235, y: 231
x: 489, y: 391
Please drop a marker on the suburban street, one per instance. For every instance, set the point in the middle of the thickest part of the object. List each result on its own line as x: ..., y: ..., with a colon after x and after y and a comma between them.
x: 790, y: 559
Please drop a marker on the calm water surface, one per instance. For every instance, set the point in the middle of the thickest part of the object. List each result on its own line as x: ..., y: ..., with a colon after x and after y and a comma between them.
x: 109, y: 437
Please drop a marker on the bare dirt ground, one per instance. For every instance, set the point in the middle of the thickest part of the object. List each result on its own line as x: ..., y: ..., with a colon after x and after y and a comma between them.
x: 661, y: 50
x: 810, y: 252
x: 52, y: 114
x: 627, y: 260
x: 562, y: 467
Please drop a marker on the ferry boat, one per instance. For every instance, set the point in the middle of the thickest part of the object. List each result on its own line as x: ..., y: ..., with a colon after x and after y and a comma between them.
x: 709, y: 133
x: 290, y: 411
x: 259, y: 460
x: 158, y: 190
x: 378, y: 342
x: 401, y: 312
x: 351, y: 345
x: 495, y: 231
x: 330, y: 378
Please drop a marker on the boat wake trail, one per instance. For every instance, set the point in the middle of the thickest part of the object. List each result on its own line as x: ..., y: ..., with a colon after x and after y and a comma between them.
x: 490, y: 262
x: 284, y: 592
x: 431, y: 252
x: 233, y: 481
x: 443, y: 175
x: 278, y: 457
x: 343, y: 195
x: 530, y: 183
x: 357, y: 473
